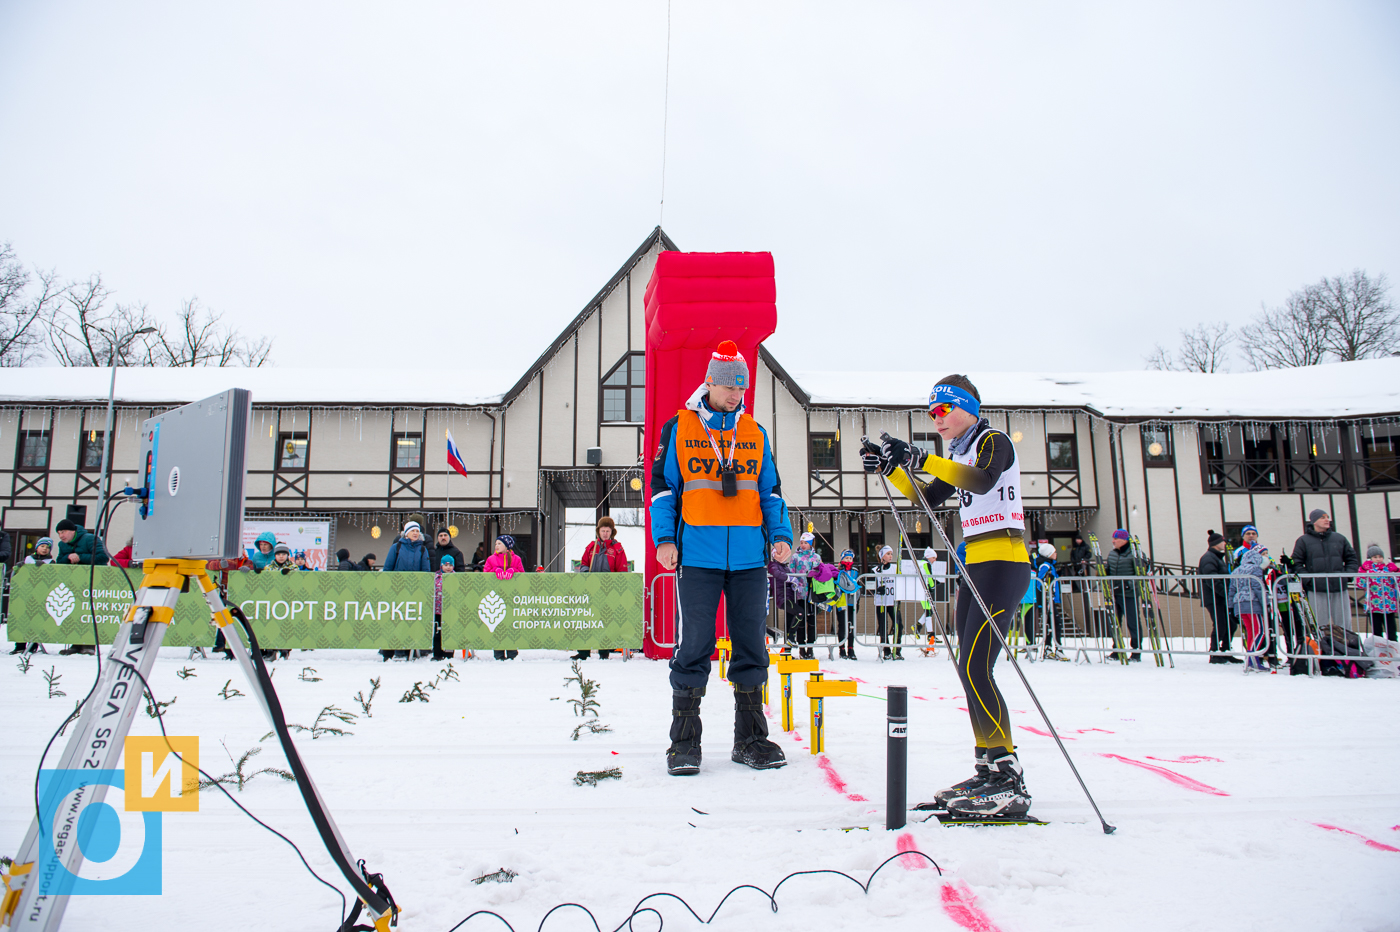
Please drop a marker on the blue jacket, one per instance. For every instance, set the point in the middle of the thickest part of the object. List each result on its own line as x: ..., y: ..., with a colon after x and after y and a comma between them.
x: 1049, y: 576
x: 256, y: 556
x: 1247, y: 584
x: 715, y: 547
x: 407, y: 556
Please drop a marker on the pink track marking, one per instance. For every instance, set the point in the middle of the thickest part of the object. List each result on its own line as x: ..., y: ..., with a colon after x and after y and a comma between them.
x: 1370, y: 842
x: 833, y: 780
x: 960, y: 904
x: 1179, y: 779
x: 1186, y: 759
x: 1044, y: 734
x: 916, y: 697
x: 906, y: 842
x: 1085, y: 731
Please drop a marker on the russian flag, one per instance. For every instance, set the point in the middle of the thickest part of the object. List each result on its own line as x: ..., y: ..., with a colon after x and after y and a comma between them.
x: 454, y: 458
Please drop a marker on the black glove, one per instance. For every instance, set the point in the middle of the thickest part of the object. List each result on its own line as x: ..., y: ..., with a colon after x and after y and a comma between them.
x: 897, y: 453
x: 871, y: 458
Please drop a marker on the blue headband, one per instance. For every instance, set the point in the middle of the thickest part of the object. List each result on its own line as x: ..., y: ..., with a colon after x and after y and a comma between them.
x: 951, y: 394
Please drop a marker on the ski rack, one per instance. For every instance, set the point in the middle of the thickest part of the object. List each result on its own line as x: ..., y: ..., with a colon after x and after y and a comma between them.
x: 98, y: 740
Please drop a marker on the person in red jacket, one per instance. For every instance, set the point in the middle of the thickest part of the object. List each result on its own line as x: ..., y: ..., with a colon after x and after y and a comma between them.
x: 603, y: 554
x: 123, y: 556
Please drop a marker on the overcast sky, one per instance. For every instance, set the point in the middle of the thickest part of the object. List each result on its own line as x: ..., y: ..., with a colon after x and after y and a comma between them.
x: 943, y: 185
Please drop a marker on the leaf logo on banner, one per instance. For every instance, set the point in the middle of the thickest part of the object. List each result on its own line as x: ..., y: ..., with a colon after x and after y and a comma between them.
x: 491, y: 611
x: 60, y: 603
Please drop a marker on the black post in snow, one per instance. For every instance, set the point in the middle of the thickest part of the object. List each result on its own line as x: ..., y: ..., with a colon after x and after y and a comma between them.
x: 896, y: 756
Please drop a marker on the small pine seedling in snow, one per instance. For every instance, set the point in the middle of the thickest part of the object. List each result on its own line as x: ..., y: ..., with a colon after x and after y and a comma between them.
x: 229, y: 693
x: 593, y: 728
x: 185, y: 673
x: 157, y: 709
x: 504, y: 875
x: 415, y: 693
x: 52, y: 679
x: 591, y: 777
x: 238, y: 778
x: 308, y: 675
x: 26, y: 660
x: 364, y: 700
x: 587, y: 688
x: 72, y: 716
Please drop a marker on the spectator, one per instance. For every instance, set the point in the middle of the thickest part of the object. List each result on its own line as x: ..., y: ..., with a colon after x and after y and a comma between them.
x: 446, y: 564
x: 445, y: 547
x: 1215, y: 597
x: 1053, y: 628
x: 261, y: 553
x: 602, y: 555
x: 42, y: 555
x: 479, y: 557
x: 368, y: 564
x: 1119, y: 562
x: 1323, y: 550
x: 801, y: 618
x: 78, y: 545
x: 1247, y: 595
x: 122, y: 557
x: 1377, y: 583
x: 505, y: 563
x: 1249, y: 538
x: 299, y: 560
x: 1081, y: 564
x: 846, y: 596
x: 345, y: 563
x: 777, y: 595
x: 888, y: 626
x: 281, y: 560
x: 409, y: 554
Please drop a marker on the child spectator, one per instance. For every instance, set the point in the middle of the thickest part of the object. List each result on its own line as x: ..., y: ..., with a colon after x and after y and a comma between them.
x: 505, y: 563
x: 846, y: 596
x: 1377, y: 583
x: 446, y: 564
x: 1247, y: 595
x: 1052, y: 629
x: 42, y: 555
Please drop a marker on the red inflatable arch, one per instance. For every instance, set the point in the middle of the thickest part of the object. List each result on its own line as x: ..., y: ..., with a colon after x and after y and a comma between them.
x: 693, y: 301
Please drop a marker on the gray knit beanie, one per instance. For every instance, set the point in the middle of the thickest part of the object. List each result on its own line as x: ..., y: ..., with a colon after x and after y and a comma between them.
x: 1374, y: 550
x: 727, y: 367
x: 1315, y: 515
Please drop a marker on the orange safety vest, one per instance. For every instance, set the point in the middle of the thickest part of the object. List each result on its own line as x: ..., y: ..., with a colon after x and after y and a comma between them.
x: 702, y: 490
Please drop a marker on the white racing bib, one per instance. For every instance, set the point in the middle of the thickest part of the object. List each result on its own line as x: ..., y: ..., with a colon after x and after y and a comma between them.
x: 1001, y: 506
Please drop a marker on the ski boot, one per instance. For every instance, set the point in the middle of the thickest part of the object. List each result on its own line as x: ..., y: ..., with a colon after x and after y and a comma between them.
x: 973, y: 783
x: 751, y: 745
x: 1002, y: 797
x: 683, y: 756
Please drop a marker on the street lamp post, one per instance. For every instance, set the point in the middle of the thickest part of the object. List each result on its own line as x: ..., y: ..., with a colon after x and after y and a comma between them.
x: 107, y: 435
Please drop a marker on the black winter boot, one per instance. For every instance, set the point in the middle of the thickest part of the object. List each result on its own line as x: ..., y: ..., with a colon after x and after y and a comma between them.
x: 683, y: 756
x: 751, y: 744
x: 981, y: 774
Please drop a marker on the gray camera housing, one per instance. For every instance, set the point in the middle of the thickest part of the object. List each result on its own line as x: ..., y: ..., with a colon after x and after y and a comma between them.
x: 193, y: 467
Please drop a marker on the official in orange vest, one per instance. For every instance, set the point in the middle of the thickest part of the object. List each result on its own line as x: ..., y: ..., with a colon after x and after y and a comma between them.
x: 717, y: 514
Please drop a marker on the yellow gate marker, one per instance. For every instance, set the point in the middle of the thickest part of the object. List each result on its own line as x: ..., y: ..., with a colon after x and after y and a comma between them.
x: 817, y: 690
x: 787, y: 666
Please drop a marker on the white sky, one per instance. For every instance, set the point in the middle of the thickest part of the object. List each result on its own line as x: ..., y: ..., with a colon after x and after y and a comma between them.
x: 943, y: 185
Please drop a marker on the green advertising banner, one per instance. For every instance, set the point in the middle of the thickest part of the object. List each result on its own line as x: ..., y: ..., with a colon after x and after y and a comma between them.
x: 560, y: 611
x: 54, y: 604
x: 378, y: 610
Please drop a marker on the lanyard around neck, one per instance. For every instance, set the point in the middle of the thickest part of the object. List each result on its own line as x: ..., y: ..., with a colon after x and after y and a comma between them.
x: 714, y: 446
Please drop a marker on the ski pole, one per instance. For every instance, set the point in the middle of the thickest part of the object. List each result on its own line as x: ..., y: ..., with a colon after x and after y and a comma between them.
x: 904, y: 539
x: 987, y: 613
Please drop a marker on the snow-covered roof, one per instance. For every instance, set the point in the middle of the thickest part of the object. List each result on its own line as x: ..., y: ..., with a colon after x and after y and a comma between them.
x: 362, y: 386
x: 1336, y: 390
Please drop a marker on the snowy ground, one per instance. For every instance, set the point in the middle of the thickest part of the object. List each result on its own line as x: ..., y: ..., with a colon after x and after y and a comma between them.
x: 480, y: 778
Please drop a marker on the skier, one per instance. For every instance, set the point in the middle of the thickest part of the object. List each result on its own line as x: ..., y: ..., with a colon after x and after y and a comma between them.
x: 985, y: 474
x: 717, y: 512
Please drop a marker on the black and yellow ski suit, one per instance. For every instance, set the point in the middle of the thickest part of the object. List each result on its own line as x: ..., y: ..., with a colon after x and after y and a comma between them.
x: 986, y: 481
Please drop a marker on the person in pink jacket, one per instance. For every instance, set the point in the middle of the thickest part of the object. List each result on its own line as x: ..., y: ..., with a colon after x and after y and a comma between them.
x: 504, y: 562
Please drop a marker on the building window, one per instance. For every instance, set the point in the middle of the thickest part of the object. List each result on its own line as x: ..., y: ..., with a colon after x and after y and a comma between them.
x: 1313, y: 458
x: 1241, y: 458
x: 90, y: 451
x: 408, y: 451
x: 1380, y: 459
x: 624, y: 390
x: 826, y: 452
x: 34, y: 449
x: 292, y: 450
x: 928, y: 442
x: 1061, y: 453
x: 1157, y: 446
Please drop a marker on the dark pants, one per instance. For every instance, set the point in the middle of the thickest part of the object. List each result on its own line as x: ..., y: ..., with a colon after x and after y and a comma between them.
x: 846, y: 625
x: 1383, y: 625
x: 505, y: 654
x: 888, y: 626
x: 1125, y: 606
x: 1001, y: 584
x: 1219, y: 627
x: 745, y: 592
x: 801, y: 622
x: 1054, y: 631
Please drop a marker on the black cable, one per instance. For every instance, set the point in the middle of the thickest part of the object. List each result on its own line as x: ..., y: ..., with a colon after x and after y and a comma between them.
x: 639, y: 909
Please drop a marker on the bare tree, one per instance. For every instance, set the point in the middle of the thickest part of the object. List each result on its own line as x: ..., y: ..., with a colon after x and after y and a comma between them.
x: 1288, y: 336
x: 1363, y: 322
x: 85, y: 331
x: 1204, y: 348
x: 23, y: 316
x: 200, y: 338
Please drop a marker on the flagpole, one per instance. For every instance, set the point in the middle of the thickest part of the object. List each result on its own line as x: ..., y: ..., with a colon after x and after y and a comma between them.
x: 448, y: 521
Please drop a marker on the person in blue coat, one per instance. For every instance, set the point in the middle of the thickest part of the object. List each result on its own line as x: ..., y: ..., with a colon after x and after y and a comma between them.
x: 408, y: 554
x: 717, y: 517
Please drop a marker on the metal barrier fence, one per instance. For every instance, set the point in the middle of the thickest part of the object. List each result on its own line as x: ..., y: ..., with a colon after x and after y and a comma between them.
x: 1093, y: 620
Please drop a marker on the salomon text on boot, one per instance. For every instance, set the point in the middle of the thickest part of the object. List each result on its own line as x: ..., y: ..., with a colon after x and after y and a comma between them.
x: 683, y: 756
x: 1002, y: 797
x: 751, y: 745
x: 981, y: 774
